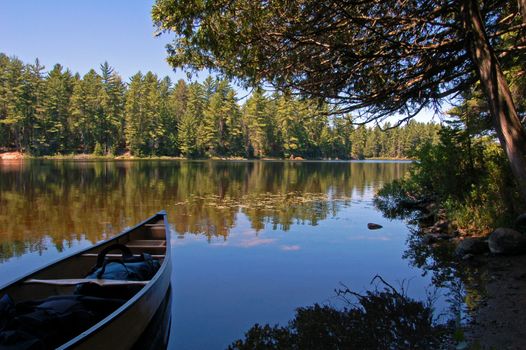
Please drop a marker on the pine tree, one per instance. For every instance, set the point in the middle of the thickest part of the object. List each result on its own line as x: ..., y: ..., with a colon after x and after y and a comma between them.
x: 112, y: 103
x: 4, y: 62
x: 34, y: 87
x: 12, y: 91
x: 191, y: 121
x: 233, y: 123
x: 153, y: 124
x: 168, y: 141
x: 54, y: 129
x: 209, y: 133
x: 87, y: 119
x: 359, y: 141
x: 134, y: 114
x: 256, y: 123
x: 58, y: 112
x: 177, y: 101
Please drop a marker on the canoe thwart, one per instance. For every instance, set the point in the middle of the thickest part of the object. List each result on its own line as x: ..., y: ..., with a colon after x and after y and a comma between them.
x: 155, y: 256
x: 75, y: 281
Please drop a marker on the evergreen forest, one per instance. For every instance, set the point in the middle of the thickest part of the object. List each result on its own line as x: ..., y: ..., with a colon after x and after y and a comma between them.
x: 57, y: 112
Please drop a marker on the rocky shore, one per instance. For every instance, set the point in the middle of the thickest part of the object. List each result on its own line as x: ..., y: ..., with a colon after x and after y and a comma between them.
x: 497, y: 320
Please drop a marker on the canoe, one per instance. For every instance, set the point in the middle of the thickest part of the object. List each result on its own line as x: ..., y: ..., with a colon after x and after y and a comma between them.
x: 126, y: 326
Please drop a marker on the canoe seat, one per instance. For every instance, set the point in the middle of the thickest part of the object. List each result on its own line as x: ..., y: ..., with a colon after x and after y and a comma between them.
x: 155, y: 256
x: 146, y: 242
x: 75, y: 281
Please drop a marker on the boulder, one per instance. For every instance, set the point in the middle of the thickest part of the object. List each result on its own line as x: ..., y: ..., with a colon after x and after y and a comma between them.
x: 11, y: 156
x: 468, y: 257
x: 411, y: 204
x: 520, y: 221
x: 431, y: 238
x: 372, y: 226
x: 507, y: 241
x: 426, y: 219
x: 442, y: 225
x: 471, y: 245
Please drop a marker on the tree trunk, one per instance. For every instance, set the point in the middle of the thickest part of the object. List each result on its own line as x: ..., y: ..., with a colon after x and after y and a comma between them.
x: 522, y: 9
x: 506, y: 121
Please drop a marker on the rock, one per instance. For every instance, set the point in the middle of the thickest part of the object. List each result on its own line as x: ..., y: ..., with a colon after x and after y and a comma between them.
x: 471, y: 245
x: 507, y: 241
x: 431, y: 208
x: 468, y: 257
x: 444, y: 236
x: 520, y: 220
x: 442, y: 225
x: 431, y: 238
x: 11, y: 156
x: 463, y: 345
x: 373, y: 226
x: 426, y: 219
x: 411, y: 204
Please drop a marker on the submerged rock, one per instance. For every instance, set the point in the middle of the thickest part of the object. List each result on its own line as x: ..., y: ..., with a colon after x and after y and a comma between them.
x: 471, y: 245
x: 373, y: 226
x: 507, y: 241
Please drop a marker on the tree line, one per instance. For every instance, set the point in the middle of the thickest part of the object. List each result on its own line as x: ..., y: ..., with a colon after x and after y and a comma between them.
x: 58, y: 112
x: 370, y: 58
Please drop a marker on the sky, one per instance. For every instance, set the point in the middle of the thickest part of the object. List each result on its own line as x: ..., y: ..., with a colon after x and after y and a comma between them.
x: 81, y: 35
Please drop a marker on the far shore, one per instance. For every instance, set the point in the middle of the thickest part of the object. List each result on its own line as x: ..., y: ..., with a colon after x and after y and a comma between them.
x: 13, y: 156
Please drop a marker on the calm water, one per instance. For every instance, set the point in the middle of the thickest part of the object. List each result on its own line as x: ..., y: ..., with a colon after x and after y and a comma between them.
x: 252, y: 241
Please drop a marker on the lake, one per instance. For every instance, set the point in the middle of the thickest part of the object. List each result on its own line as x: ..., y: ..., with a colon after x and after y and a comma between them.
x: 252, y: 240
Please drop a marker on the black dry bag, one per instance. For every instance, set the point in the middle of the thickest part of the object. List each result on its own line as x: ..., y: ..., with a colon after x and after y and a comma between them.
x: 49, y: 323
x: 125, y: 268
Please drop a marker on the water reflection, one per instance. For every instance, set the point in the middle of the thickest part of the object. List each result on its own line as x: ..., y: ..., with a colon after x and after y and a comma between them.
x: 252, y: 240
x: 63, y: 202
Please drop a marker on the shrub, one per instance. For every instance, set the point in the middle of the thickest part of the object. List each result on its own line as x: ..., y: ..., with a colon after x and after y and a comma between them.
x: 98, y: 151
x: 469, y: 176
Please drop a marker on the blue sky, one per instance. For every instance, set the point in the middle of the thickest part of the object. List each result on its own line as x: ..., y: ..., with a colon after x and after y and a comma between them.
x: 81, y: 35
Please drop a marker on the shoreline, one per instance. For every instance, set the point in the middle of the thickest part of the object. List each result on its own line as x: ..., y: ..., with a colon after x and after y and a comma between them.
x: 17, y: 156
x: 498, y: 292
x: 498, y: 319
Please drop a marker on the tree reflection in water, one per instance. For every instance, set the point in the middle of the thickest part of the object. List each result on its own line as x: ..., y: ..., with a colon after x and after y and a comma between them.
x: 384, y: 318
x: 61, y: 202
x: 463, y: 281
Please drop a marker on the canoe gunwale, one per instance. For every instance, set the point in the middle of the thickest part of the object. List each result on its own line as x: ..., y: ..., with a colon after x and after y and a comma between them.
x: 85, y: 250
x: 165, y: 267
x: 159, y: 280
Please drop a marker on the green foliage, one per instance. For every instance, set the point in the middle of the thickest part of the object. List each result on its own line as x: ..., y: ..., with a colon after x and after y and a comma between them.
x: 306, y: 46
x: 466, y: 171
x: 191, y: 121
x: 98, y: 150
x: 57, y: 112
